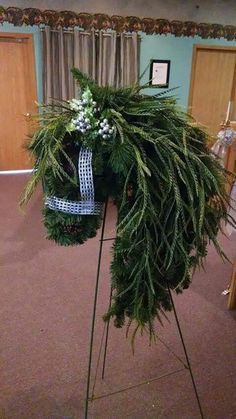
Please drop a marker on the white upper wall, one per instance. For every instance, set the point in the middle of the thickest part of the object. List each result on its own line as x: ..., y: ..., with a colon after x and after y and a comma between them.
x: 208, y: 11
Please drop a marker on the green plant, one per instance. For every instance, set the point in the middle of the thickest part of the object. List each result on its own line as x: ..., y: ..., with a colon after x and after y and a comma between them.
x: 168, y: 188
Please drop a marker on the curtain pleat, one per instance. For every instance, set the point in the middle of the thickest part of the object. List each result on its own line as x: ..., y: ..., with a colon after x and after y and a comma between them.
x: 109, y: 59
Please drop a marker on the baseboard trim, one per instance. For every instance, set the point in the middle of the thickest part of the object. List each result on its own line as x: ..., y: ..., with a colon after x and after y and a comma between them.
x: 15, y: 172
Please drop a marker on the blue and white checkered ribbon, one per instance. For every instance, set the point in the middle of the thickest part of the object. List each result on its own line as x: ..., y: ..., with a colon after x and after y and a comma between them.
x: 87, y: 205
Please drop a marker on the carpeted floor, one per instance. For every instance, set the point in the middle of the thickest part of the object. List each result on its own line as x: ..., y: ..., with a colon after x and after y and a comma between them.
x: 45, y: 317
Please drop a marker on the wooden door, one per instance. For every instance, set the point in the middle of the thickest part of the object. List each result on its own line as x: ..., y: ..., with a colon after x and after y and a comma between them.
x: 232, y: 294
x: 213, y: 69
x: 231, y: 165
x: 17, y: 98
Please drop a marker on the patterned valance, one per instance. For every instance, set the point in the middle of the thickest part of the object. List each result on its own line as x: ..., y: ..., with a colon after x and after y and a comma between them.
x: 32, y: 16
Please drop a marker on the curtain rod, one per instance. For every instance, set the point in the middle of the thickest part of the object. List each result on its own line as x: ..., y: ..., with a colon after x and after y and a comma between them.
x: 69, y: 31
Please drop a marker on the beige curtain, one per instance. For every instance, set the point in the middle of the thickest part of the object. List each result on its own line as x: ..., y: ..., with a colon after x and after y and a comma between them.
x: 109, y: 58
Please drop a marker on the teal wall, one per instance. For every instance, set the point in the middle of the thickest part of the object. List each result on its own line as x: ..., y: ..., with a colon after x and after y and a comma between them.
x: 8, y: 27
x: 178, y: 50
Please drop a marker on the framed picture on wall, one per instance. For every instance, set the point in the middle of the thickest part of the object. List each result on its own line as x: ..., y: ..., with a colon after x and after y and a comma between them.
x: 159, y: 73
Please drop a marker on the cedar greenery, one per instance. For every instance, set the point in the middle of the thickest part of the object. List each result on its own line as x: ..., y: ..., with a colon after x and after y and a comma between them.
x: 168, y: 188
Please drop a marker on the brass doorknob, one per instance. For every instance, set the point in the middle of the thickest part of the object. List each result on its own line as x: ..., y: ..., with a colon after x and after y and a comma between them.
x: 28, y: 115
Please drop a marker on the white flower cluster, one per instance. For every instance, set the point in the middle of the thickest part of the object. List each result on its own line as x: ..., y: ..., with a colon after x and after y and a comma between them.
x: 85, y: 109
x: 85, y: 118
x: 79, y: 104
x: 227, y: 136
x: 105, y: 129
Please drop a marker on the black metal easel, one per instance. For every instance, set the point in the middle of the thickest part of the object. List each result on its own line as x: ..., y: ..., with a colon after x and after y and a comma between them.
x: 187, y: 365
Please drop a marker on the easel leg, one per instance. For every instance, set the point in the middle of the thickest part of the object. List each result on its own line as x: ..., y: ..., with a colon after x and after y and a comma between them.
x: 106, y: 340
x: 107, y: 329
x: 186, y: 353
x: 94, y: 312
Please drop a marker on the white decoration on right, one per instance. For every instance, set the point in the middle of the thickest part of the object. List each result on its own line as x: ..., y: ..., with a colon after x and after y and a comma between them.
x: 226, y: 136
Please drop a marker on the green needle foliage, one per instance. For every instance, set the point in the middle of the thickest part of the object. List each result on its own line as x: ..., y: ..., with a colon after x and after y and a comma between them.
x: 168, y: 188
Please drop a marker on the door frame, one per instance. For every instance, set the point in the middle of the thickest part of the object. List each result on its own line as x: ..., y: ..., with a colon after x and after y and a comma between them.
x: 197, y: 47
x: 33, y: 81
